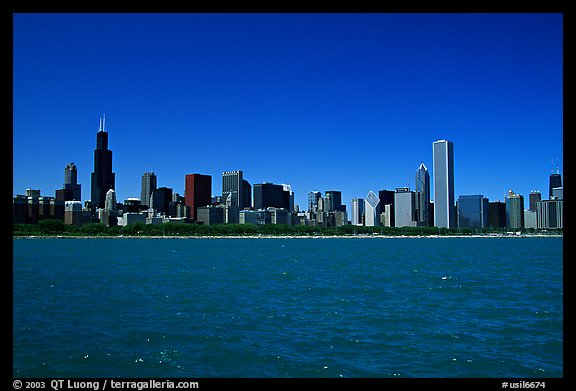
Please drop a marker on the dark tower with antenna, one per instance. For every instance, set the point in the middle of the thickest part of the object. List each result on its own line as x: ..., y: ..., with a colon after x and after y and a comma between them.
x: 555, y: 180
x: 102, y: 178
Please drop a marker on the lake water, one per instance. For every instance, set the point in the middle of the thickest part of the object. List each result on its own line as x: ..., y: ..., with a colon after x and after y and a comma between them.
x: 275, y: 308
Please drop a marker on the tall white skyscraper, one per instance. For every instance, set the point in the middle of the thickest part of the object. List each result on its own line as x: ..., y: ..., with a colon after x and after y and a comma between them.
x: 372, y: 210
x: 443, y: 156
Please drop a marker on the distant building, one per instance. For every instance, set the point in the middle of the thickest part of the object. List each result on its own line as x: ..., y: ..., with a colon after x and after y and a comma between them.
x: 550, y: 214
x: 110, y: 203
x: 103, y: 178
x: 248, y: 217
x: 514, y: 210
x: 132, y: 205
x: 232, y: 185
x: 160, y: 200
x: 313, y: 198
x: 247, y: 198
x: 472, y: 211
x: 198, y: 192
x: 530, y: 219
x: 405, y: 208
x: 557, y: 193
x: 333, y: 201
x: 386, y: 197
x: 422, y: 195
x: 288, y: 188
x: 73, y: 213
x: 149, y: 184
x: 555, y: 181
x: 280, y: 216
x: 443, y: 156
x: 210, y: 215
x: 534, y: 198
x: 269, y: 195
x: 71, y: 190
x: 496, y: 214
x: 131, y: 218
x: 357, y: 211
x: 371, y: 210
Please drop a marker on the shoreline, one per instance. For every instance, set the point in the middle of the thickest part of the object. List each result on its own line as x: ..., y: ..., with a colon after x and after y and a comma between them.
x: 293, y: 236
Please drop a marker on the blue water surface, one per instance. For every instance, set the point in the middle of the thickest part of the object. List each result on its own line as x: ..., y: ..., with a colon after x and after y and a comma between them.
x: 405, y: 307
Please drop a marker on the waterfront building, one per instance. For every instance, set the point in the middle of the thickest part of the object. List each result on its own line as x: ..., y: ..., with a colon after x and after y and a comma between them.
x: 247, y: 197
x: 149, y: 184
x: 357, y: 211
x: 71, y: 191
x: 248, y: 217
x: 132, y: 205
x: 269, y: 195
x: 549, y: 214
x: 514, y: 210
x: 110, y: 203
x: 198, y: 192
x: 386, y: 197
x: 422, y: 195
x: 210, y: 215
x: 73, y: 213
x: 405, y: 208
x: 534, y: 198
x: 279, y: 216
x: 371, y: 210
x: 288, y: 188
x: 530, y: 219
x: 472, y: 211
x: 497, y: 214
x: 313, y: 198
x: 443, y: 156
x: 103, y: 178
x: 387, y: 215
x: 160, y: 200
x: 131, y: 218
x: 232, y: 184
x: 340, y: 218
x: 333, y: 201
x: 555, y: 181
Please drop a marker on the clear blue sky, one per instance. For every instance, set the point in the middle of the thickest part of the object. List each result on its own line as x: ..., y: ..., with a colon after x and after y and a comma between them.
x: 348, y: 102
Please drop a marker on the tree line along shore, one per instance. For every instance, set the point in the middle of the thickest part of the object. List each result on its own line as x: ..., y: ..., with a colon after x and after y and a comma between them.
x: 59, y: 229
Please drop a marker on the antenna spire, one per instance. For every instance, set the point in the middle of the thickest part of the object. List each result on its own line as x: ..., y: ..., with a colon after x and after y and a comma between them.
x: 104, y: 123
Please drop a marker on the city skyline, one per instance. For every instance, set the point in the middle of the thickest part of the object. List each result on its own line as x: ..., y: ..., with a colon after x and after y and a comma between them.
x: 284, y: 109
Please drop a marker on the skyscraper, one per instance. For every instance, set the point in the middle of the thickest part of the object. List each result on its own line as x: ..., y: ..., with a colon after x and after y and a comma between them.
x: 443, y: 156
x: 333, y: 201
x: 313, y: 198
x: 102, y: 178
x: 534, y: 197
x: 149, y: 184
x: 357, y: 211
x: 422, y: 195
x: 232, y: 186
x: 371, y: 210
x: 555, y: 181
x: 514, y: 210
x: 160, y: 200
x: 73, y: 189
x: 198, y: 192
x: 405, y: 208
